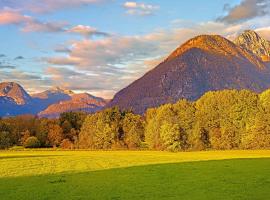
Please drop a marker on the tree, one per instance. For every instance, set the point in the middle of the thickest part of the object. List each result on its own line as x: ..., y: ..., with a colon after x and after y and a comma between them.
x: 133, y: 127
x: 55, y: 135
x: 32, y: 142
x: 43, y: 130
x: 5, y: 141
x: 170, y: 136
x: 102, y: 130
x: 258, y: 133
x: 155, y: 118
x: 67, y: 144
x: 25, y: 135
x: 199, y: 138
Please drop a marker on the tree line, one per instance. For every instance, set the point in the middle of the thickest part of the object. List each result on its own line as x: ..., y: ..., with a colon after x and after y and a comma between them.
x: 219, y: 120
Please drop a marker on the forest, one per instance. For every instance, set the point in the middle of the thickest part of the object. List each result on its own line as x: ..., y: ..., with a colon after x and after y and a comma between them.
x: 219, y: 120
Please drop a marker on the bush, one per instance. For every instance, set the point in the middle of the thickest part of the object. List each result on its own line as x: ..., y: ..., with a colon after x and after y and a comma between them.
x: 32, y: 142
x: 67, y: 144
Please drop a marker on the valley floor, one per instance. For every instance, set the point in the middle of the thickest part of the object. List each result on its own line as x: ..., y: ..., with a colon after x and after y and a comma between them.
x: 42, y: 174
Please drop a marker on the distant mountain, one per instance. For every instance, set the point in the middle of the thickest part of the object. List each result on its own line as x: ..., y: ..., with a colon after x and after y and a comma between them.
x: 204, y: 63
x: 14, y: 100
x: 78, y: 102
x: 15, y: 92
x: 55, y: 95
x: 252, y: 42
x: 7, y: 106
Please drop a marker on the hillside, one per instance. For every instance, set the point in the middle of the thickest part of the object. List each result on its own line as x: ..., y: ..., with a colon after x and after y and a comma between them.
x: 204, y: 63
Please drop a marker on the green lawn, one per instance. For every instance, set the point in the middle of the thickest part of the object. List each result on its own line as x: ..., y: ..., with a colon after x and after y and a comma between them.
x: 134, y: 175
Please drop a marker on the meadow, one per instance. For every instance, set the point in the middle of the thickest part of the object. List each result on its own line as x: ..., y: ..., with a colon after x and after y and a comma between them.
x: 41, y: 174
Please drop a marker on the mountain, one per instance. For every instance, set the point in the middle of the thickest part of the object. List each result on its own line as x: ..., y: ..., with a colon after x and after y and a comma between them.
x: 55, y: 95
x: 78, y: 102
x: 15, y: 92
x: 14, y: 100
x: 7, y: 106
x: 204, y: 63
x: 251, y: 41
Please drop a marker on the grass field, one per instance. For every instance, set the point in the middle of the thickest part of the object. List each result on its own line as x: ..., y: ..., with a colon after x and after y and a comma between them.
x: 134, y: 175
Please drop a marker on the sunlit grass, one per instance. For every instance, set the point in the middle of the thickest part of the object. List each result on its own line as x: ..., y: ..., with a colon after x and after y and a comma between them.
x: 128, y: 175
x: 33, y: 162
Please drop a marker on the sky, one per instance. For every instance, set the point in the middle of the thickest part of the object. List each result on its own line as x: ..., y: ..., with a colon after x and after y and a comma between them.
x: 101, y: 46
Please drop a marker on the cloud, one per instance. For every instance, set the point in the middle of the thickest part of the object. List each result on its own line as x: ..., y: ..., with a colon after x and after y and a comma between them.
x: 142, y: 9
x: 62, y: 49
x: 12, y: 17
x: 87, y: 31
x: 19, y: 58
x: 28, y: 23
x: 2, y: 55
x: 264, y: 32
x: 49, y: 27
x: 30, y: 81
x: 45, y: 6
x: 2, y: 66
x: 83, y: 81
x: 246, y: 10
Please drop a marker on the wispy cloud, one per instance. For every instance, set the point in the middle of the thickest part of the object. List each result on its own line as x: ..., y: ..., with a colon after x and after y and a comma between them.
x: 114, y: 62
x: 31, y: 82
x: 28, y: 23
x: 246, y: 10
x: 4, y: 66
x: 45, y: 6
x: 87, y: 31
x: 142, y: 9
x: 19, y: 58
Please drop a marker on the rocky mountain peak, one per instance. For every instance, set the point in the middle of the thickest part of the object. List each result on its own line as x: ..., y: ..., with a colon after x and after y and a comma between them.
x: 15, y: 92
x: 253, y: 42
x: 58, y: 89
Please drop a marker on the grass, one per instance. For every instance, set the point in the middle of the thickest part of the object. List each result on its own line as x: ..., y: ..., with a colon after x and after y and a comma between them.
x: 134, y: 175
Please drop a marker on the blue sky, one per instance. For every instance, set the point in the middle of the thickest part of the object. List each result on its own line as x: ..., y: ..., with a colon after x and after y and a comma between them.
x: 100, y: 46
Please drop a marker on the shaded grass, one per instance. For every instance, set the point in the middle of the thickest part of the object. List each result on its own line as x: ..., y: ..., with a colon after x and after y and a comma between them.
x: 31, y: 163
x: 247, y: 179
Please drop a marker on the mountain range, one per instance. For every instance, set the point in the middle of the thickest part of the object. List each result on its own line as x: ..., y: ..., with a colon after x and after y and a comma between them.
x: 14, y: 100
x: 204, y: 63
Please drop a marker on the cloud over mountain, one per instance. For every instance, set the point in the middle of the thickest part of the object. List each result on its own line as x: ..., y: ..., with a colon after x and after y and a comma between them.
x: 246, y: 10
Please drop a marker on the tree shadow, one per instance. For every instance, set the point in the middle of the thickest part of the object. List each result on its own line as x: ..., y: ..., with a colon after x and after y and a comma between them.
x: 223, y: 179
x: 28, y: 156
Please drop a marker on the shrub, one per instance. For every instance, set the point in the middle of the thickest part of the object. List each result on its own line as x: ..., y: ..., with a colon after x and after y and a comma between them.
x: 67, y: 144
x: 32, y: 142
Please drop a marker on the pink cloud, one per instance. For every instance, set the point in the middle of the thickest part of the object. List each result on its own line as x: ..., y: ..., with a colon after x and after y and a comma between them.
x: 86, y: 31
x: 13, y: 17
x: 28, y: 23
x: 44, y: 6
